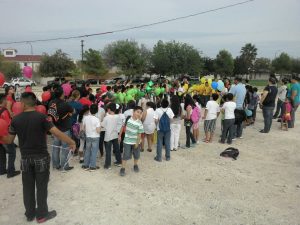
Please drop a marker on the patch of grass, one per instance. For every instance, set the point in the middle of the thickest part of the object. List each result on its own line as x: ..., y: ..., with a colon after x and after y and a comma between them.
x: 258, y: 83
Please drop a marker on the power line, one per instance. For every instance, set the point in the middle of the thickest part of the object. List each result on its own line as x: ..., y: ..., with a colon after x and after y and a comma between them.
x: 129, y: 28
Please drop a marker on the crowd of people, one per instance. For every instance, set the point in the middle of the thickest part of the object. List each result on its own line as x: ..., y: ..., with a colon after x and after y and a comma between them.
x: 124, y: 120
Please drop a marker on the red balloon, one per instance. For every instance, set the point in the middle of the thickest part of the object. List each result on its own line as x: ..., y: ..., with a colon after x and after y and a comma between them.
x: 2, y: 79
x: 46, y: 96
x: 41, y: 109
x: 3, y: 127
x: 17, y: 108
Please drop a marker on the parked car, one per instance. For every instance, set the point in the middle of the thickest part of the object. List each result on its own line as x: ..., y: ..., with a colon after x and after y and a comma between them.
x: 77, y: 82
x: 92, y: 81
x: 109, y: 82
x: 6, y: 84
x: 58, y: 80
x: 22, y: 82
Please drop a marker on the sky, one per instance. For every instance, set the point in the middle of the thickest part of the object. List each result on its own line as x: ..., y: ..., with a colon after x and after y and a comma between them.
x: 271, y: 25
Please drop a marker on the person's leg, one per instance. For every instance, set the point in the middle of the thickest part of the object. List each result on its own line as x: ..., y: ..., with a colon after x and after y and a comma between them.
x: 2, y: 160
x: 122, y: 142
x: 159, y: 145
x: 167, y: 144
x: 11, y: 150
x: 239, y: 130
x: 28, y: 181
x: 107, y: 163
x: 81, y: 147
x: 225, y: 130
x: 176, y: 135
x: 278, y: 107
x: 94, y: 150
x: 56, y: 153
x: 192, y: 137
x: 64, y: 153
x: 116, y: 148
x: 268, y: 116
x: 101, y: 142
x: 172, y: 138
x: 230, y: 131
x: 87, y: 152
x: 291, y: 123
x: 149, y: 141
x: 254, y: 114
x: 188, y: 138
x: 42, y: 179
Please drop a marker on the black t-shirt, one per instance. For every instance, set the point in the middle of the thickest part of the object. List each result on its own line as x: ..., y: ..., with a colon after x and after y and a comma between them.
x: 31, y: 128
x: 64, y: 122
x: 271, y: 97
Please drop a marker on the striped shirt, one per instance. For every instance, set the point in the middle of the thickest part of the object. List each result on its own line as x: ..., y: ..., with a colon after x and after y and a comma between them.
x: 133, y: 128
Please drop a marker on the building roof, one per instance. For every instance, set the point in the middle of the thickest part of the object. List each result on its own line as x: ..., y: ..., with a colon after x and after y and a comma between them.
x: 24, y: 58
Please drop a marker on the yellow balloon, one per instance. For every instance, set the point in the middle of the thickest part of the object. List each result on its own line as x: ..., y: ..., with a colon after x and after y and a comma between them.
x: 209, y: 81
x: 203, y: 79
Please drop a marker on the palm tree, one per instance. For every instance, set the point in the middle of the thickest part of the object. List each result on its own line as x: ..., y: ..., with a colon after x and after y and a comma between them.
x: 249, y: 53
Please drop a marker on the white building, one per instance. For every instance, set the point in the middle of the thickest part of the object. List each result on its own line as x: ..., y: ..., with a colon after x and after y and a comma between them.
x: 23, y: 60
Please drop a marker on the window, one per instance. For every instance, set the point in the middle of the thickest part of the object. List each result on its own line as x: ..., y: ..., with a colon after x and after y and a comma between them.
x: 9, y: 52
x: 25, y: 64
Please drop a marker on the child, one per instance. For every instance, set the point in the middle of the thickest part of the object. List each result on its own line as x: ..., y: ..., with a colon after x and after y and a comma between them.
x: 197, y: 117
x: 286, y: 114
x: 132, y: 140
x: 189, y: 106
x: 254, y: 104
x: 149, y: 125
x: 91, y: 126
x: 211, y: 114
x: 110, y: 124
x: 84, y: 112
x: 175, y: 123
x: 229, y: 119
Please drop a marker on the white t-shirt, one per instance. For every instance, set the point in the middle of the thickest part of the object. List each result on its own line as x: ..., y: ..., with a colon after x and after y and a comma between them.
x: 91, y: 123
x: 110, y: 123
x: 229, y: 108
x: 159, y: 112
x: 212, y: 110
x: 121, y: 121
x: 128, y: 112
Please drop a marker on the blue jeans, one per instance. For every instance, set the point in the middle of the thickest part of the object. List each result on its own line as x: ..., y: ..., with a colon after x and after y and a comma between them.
x: 90, y: 154
x: 163, y: 138
x: 268, y: 116
x: 60, y: 152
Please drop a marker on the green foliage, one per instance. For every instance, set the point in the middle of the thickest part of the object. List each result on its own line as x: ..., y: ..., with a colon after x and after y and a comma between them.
x: 208, y: 66
x: 296, y: 65
x: 57, y: 65
x: 174, y: 58
x: 262, y: 65
x: 93, y: 63
x: 244, y: 64
x: 224, y: 63
x: 240, y: 66
x: 282, y: 64
x: 127, y: 55
x: 9, y: 69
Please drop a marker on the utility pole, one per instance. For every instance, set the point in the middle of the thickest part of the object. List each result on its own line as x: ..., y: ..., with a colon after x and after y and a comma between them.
x: 82, y: 58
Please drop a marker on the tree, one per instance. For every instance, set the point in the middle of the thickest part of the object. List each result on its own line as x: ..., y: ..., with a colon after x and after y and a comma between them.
x: 93, y: 63
x: 282, y: 64
x: 224, y: 63
x: 248, y: 56
x: 296, y: 66
x: 240, y: 66
x: 57, y: 65
x: 127, y: 56
x: 9, y: 69
x: 174, y: 58
x: 208, y: 66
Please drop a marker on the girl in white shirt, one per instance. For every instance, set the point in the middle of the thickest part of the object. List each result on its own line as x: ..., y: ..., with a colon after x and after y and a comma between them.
x: 149, y: 125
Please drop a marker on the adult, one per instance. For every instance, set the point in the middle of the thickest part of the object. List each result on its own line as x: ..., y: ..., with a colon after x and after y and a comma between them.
x: 163, y: 136
x: 84, y: 100
x: 267, y: 103
x: 31, y: 127
x: 295, y: 97
x: 281, y: 95
x: 9, y: 149
x: 239, y: 92
x: 60, y: 113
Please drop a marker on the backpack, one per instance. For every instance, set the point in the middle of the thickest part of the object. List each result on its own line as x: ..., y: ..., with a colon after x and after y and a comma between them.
x: 230, y: 152
x: 76, y: 130
x: 195, y: 117
x: 164, y: 122
x: 52, y: 112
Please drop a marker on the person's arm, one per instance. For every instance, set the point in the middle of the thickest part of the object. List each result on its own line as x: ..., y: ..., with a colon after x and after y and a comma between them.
x: 7, y: 139
x: 9, y: 108
x: 263, y: 97
x: 144, y: 116
x: 63, y: 137
x: 205, y: 114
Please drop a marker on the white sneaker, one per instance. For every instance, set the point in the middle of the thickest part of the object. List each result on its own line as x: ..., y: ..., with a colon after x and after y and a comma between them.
x: 234, y: 139
x: 240, y: 137
x: 198, y: 142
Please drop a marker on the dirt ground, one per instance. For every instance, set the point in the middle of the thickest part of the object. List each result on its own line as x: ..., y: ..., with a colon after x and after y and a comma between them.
x: 196, y: 187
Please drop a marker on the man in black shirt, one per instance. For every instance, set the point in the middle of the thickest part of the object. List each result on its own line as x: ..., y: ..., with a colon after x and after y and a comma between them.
x: 267, y: 103
x: 31, y: 128
x: 62, y: 120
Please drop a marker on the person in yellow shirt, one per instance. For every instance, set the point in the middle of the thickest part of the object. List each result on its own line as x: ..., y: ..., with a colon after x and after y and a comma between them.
x: 207, y: 92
